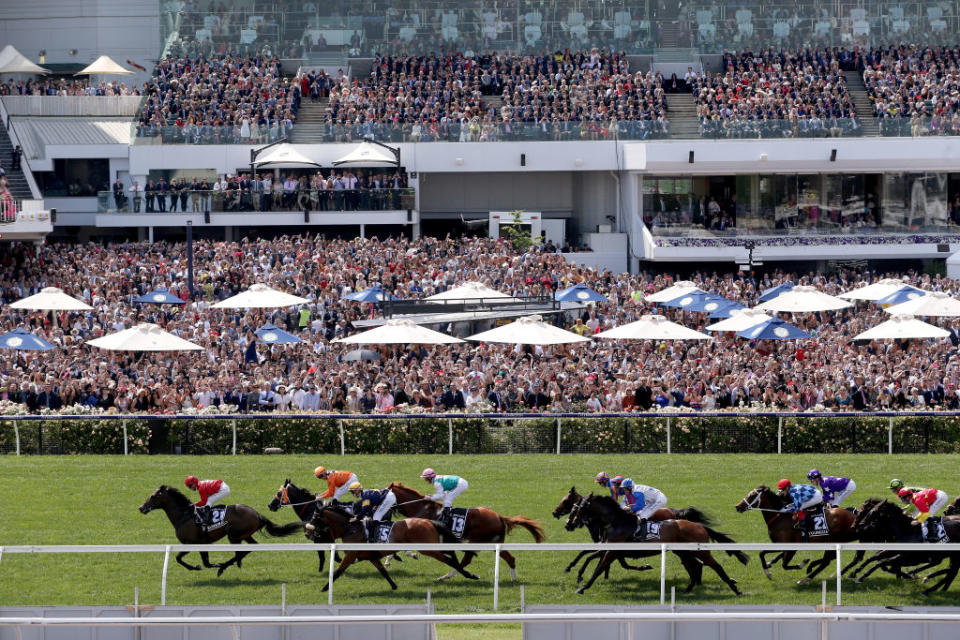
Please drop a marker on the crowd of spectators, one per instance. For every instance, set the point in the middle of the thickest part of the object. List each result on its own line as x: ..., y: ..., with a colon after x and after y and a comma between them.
x: 915, y: 90
x: 775, y: 94
x: 65, y: 87
x: 221, y: 99
x: 829, y: 370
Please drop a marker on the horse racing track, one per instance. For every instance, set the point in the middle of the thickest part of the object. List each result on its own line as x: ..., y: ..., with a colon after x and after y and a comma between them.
x: 95, y: 500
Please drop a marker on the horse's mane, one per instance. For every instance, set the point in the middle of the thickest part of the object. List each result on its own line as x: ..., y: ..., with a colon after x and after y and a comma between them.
x: 291, y: 486
x: 606, y: 499
x: 181, y: 501
x: 763, y: 489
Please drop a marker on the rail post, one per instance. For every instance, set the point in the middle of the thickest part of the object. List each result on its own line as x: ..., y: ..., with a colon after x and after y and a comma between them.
x: 343, y: 443
x: 283, y: 608
x: 16, y: 435
x: 780, y: 434
x: 496, y: 578
x: 163, y: 580
x: 450, y: 436
x: 839, y: 574
x: 233, y: 447
x: 558, y: 436
x: 668, y: 451
x: 889, y: 436
x: 333, y: 554
x: 136, y: 610
x: 663, y: 573
x: 124, y: 422
x: 824, y: 632
x: 1, y: 554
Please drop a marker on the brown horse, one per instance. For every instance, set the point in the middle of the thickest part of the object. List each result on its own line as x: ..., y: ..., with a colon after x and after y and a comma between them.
x: 780, y: 528
x: 339, y: 524
x: 572, y: 499
x: 621, y: 526
x: 241, y: 523
x: 482, y: 525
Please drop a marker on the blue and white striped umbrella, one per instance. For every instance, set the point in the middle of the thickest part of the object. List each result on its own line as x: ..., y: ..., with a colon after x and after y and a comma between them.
x: 272, y: 334
x: 23, y: 340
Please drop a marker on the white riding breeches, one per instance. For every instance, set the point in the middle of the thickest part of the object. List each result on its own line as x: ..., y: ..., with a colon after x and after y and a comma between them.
x: 384, y: 509
x: 219, y: 495
x: 451, y: 495
x: 840, y: 496
x: 939, y: 503
x: 650, y: 509
x: 812, y: 502
x: 345, y: 487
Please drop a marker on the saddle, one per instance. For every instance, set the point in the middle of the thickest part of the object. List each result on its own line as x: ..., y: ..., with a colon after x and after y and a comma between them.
x: 646, y: 531
x: 934, y: 531
x: 211, y: 518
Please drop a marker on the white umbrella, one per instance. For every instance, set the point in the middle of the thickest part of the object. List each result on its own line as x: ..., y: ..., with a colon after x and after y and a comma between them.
x: 144, y: 337
x: 370, y: 154
x: 528, y: 330
x: 680, y: 288
x: 874, y: 291
x: 804, y: 300
x: 260, y: 296
x: 935, y: 303
x: 902, y: 326
x: 399, y: 331
x: 653, y: 327
x: 739, y: 320
x: 285, y: 155
x: 104, y: 66
x: 50, y: 299
x: 12, y: 61
x: 471, y: 291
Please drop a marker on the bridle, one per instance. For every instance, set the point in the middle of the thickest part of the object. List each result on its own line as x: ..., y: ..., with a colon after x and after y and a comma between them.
x: 283, y: 495
x: 754, y: 505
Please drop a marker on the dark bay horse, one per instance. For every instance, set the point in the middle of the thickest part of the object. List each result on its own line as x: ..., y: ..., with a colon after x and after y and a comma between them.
x: 339, y: 524
x: 482, y: 524
x: 780, y: 528
x: 304, y: 504
x: 620, y: 526
x: 241, y: 523
x: 595, y: 529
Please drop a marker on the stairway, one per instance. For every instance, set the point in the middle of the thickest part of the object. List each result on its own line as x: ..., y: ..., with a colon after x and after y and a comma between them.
x: 16, y: 181
x: 682, y: 112
x: 862, y: 103
x: 309, y: 127
x: 669, y: 34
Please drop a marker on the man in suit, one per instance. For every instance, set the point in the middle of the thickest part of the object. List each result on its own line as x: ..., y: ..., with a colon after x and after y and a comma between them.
x: 497, y: 397
x: 161, y: 192
x: 536, y: 398
x: 119, y: 197
x: 858, y: 393
x: 452, y: 398
x: 49, y: 398
x: 643, y: 395
x: 151, y: 193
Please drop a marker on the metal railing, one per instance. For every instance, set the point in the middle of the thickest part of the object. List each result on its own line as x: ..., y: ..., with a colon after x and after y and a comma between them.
x: 235, y: 200
x: 72, y: 106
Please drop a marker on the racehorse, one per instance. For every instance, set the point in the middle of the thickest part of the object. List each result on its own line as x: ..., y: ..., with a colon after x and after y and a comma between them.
x: 482, y: 524
x: 339, y: 524
x: 780, y: 529
x: 595, y: 529
x: 888, y: 521
x: 620, y: 526
x: 241, y: 523
x: 304, y: 504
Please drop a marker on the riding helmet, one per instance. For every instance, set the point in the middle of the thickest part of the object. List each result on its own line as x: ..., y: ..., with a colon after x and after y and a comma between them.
x: 191, y: 482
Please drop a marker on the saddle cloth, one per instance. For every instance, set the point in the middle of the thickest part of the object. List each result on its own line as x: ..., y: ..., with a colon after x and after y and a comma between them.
x: 647, y: 531
x: 382, y: 533
x: 213, y: 518
x: 458, y: 521
x: 941, y: 532
x: 816, y: 520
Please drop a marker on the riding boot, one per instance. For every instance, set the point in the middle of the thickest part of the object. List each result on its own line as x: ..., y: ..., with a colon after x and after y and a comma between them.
x: 371, y: 526
x: 446, y: 516
x: 203, y: 515
x: 643, y: 529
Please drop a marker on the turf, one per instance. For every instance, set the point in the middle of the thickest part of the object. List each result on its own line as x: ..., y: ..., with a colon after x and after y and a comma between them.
x: 94, y: 500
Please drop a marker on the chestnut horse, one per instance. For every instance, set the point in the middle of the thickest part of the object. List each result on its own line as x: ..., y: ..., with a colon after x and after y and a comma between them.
x: 482, y: 524
x: 241, y: 523
x: 339, y: 524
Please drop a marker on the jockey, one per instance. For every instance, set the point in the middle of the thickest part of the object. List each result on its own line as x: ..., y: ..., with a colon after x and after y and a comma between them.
x: 897, y: 484
x: 338, y: 483
x: 604, y: 481
x: 447, y: 489
x: 641, y: 499
x: 835, y: 489
x: 211, y: 492
x: 372, y: 504
x: 928, y: 502
x: 615, y: 491
x: 804, y: 496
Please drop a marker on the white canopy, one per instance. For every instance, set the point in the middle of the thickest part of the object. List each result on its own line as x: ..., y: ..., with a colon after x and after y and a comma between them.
x: 935, y: 303
x: 528, y: 330
x: 739, y: 320
x: 368, y: 154
x: 284, y: 155
x: 105, y: 66
x: 260, y: 296
x: 399, y: 331
x: 12, y: 61
x: 50, y: 299
x: 471, y: 291
x: 804, y: 300
x: 875, y: 291
x: 680, y: 288
x: 902, y: 326
x: 653, y: 327
x: 144, y: 337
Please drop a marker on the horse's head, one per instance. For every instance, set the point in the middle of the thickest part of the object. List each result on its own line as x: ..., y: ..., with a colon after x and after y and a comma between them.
x: 567, y: 504
x: 865, y: 509
x: 575, y: 520
x: 879, y: 522
x: 281, y: 497
x: 156, y: 500
x: 316, y: 529
x: 760, y: 498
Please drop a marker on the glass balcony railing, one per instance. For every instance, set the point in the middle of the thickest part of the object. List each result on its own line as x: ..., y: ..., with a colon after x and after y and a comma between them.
x: 208, y: 134
x: 237, y: 200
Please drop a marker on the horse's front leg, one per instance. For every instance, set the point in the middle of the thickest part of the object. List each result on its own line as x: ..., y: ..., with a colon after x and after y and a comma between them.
x: 323, y: 556
x: 608, y: 557
x: 766, y: 564
x: 788, y: 556
x: 817, y: 567
x: 348, y: 560
x: 191, y: 567
x: 383, y: 571
x: 205, y: 557
x: 575, y: 561
x: 857, y: 557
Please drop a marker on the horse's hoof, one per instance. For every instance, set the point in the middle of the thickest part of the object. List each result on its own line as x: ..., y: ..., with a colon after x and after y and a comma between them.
x: 326, y: 587
x: 738, y: 592
x: 567, y: 570
x: 767, y: 573
x: 803, y: 580
x: 195, y: 568
x: 644, y: 567
x: 473, y: 576
x: 581, y: 590
x: 412, y: 554
x: 220, y: 571
x: 394, y: 587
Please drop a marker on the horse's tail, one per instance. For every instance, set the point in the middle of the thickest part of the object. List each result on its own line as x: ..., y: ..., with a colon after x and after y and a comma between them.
x: 716, y: 536
x: 531, y: 525
x: 279, y: 530
x: 694, y: 515
x: 446, y: 536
